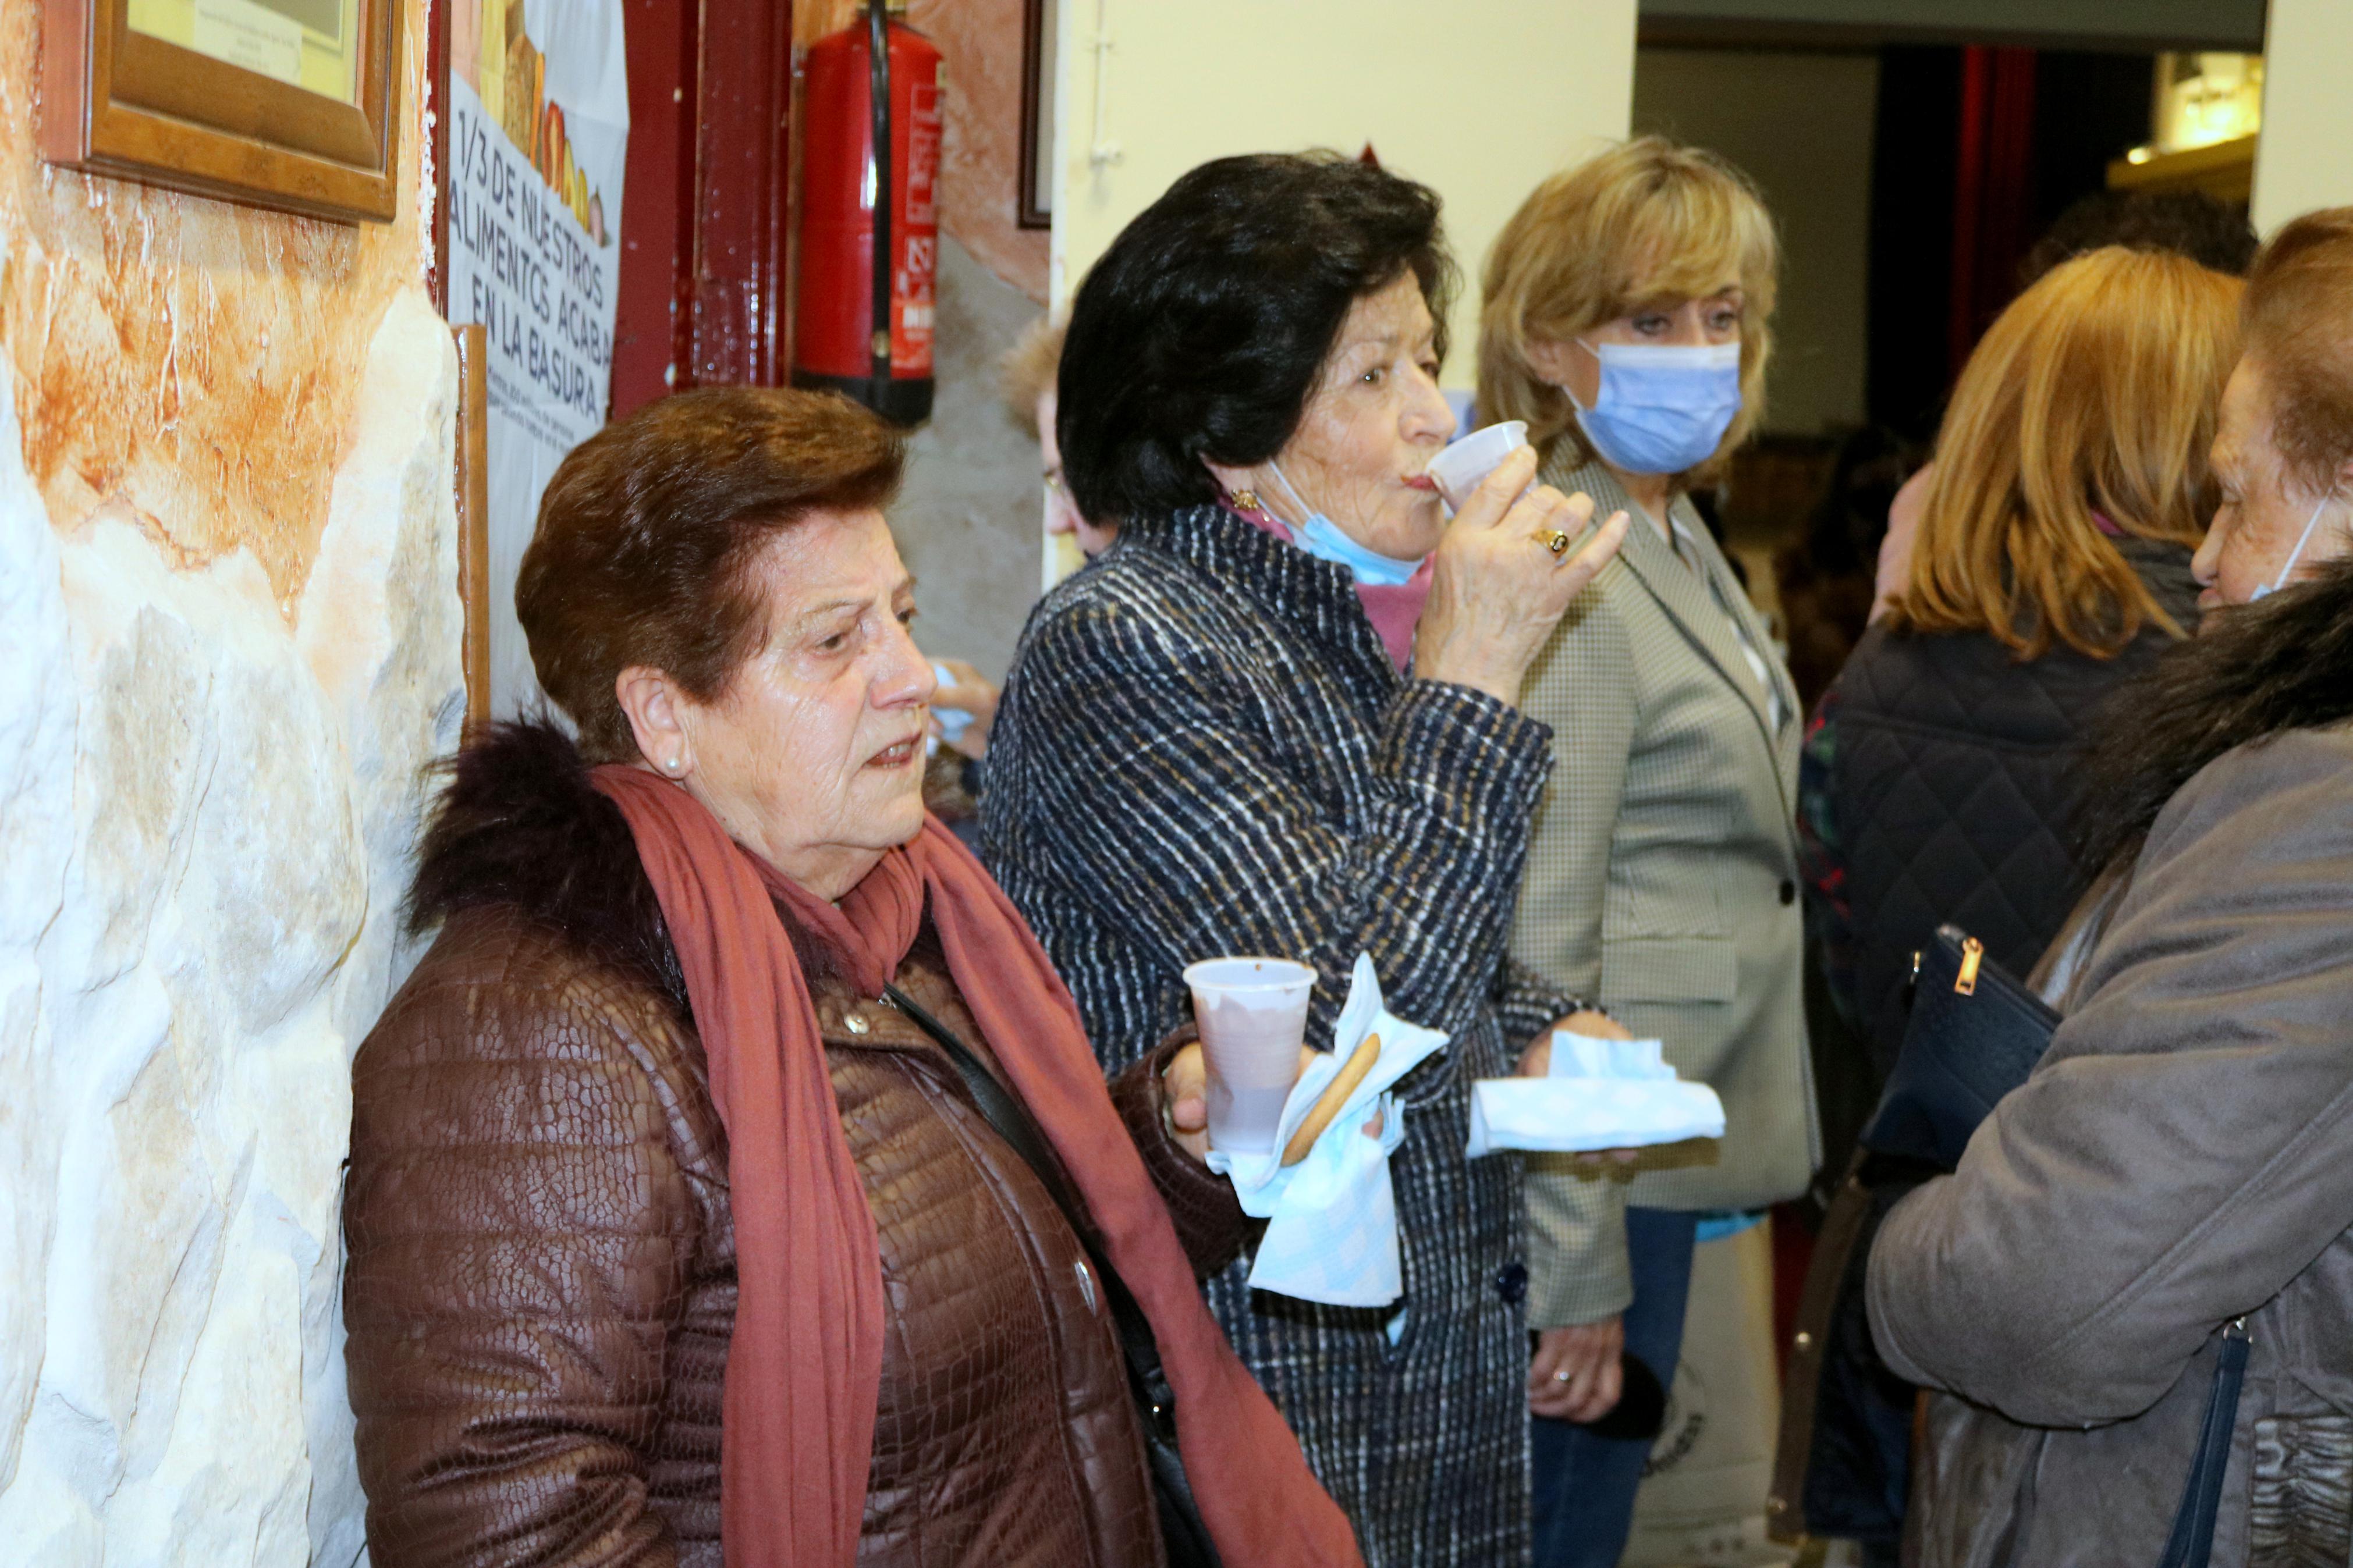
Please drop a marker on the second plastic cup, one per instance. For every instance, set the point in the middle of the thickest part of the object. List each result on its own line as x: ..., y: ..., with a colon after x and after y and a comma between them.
x: 1459, y: 469
x: 1253, y: 1014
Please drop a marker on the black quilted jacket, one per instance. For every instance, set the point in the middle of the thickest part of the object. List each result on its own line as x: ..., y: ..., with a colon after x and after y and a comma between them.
x: 1952, y: 789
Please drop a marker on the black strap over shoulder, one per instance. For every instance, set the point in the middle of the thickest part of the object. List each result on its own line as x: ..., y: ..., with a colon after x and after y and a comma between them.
x: 2193, y: 1541
x: 1181, y: 1527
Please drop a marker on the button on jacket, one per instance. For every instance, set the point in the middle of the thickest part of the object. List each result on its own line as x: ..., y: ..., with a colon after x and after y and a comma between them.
x: 541, y: 1280
x: 1656, y: 880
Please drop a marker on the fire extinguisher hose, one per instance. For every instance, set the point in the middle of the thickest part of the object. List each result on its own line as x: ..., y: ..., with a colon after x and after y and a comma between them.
x: 877, y: 26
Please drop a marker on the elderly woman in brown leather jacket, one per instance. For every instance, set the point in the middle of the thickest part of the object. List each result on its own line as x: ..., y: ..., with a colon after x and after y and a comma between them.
x: 676, y: 1231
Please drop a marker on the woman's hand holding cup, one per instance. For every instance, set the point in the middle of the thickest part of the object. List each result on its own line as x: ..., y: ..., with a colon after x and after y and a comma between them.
x: 1501, y: 579
x: 1184, y: 1098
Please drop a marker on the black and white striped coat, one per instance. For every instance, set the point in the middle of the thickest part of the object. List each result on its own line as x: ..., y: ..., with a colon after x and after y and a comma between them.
x: 1203, y: 748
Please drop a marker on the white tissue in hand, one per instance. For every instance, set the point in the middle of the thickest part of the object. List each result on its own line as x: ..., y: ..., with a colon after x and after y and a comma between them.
x: 1331, y: 1230
x: 1600, y: 1094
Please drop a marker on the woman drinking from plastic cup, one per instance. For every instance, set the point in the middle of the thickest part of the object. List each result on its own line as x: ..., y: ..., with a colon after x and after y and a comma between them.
x: 1280, y: 717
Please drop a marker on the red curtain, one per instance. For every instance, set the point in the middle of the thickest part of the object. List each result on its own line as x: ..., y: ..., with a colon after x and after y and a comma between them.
x: 1993, y: 190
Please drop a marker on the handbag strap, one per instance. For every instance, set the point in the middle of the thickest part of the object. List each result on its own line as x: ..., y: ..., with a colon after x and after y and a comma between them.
x: 2193, y: 1541
x: 1005, y: 1113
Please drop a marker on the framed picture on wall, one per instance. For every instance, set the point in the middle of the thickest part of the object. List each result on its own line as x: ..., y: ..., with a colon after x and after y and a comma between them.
x: 293, y: 104
x: 1037, y: 114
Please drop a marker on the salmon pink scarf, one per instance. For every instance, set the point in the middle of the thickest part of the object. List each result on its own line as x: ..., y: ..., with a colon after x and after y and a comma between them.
x: 805, y: 1369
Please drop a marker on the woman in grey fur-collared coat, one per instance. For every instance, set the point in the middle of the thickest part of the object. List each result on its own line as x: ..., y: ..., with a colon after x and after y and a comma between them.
x: 2176, y: 1162
x: 1209, y: 744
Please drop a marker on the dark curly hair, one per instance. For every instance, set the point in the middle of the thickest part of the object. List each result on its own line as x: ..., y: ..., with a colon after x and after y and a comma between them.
x: 2210, y: 232
x: 1199, y: 334
x: 649, y: 531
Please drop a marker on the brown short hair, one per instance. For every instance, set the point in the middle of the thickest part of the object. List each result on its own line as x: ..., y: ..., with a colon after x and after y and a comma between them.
x: 1644, y: 223
x: 2095, y: 392
x: 1027, y: 372
x: 648, y: 531
x: 2299, y: 330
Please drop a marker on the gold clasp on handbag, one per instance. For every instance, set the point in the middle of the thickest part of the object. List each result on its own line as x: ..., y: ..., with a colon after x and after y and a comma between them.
x: 1972, y: 954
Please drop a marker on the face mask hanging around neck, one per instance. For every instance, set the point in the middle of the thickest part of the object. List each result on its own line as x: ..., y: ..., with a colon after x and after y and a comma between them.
x: 1322, y: 538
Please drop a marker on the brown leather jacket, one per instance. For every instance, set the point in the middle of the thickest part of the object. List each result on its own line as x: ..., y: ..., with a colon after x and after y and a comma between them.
x: 541, y: 1281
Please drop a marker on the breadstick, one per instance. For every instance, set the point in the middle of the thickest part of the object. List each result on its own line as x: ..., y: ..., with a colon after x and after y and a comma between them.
x: 1335, y: 1095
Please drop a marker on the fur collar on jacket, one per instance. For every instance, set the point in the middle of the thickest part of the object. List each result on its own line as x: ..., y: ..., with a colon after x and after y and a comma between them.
x: 2252, y: 672
x: 518, y: 823
x: 521, y: 825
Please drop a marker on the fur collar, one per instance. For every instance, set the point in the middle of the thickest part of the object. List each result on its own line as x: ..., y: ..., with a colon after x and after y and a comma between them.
x: 518, y: 823
x: 2250, y: 672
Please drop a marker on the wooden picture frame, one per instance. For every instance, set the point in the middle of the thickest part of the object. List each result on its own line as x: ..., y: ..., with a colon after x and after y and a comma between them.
x: 1038, y: 22
x: 473, y: 481
x: 124, y: 102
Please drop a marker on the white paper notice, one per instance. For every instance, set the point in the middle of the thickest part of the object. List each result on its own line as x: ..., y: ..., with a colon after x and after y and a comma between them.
x: 539, y: 132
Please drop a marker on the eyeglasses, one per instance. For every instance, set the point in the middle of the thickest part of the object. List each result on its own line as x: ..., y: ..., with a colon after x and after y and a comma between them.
x: 1053, y: 478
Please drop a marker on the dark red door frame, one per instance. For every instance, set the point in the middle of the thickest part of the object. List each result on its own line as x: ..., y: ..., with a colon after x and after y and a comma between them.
x: 654, y: 303
x: 707, y: 249
x: 743, y: 238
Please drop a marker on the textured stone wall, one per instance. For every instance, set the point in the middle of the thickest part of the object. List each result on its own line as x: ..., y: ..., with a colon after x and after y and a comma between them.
x: 229, y: 646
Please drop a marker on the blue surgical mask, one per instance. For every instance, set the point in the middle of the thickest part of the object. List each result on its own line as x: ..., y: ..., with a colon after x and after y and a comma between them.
x: 1663, y: 407
x: 2277, y: 583
x: 1322, y: 538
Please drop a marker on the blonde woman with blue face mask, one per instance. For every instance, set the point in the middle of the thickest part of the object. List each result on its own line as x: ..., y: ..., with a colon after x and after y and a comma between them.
x: 1626, y: 320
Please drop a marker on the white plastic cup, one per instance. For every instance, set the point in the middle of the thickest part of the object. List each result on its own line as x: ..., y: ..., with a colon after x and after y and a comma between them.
x: 1459, y: 468
x: 1253, y: 1014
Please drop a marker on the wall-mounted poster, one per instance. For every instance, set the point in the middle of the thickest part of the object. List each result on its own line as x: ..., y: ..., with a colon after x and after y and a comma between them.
x: 539, y: 132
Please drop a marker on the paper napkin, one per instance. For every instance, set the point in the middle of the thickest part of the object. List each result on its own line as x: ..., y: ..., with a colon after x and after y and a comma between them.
x: 1601, y: 1094
x: 1330, y: 1232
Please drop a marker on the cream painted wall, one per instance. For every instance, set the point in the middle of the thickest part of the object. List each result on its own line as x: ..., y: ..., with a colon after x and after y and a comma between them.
x: 2305, y: 157
x: 1802, y: 127
x: 1479, y: 99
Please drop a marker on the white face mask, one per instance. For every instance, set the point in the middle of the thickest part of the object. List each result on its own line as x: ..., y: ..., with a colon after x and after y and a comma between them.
x: 2277, y: 583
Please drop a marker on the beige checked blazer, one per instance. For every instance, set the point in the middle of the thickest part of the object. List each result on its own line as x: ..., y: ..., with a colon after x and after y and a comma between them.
x: 1662, y: 879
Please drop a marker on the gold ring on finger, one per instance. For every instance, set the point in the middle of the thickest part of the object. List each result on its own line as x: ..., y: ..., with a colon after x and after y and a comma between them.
x: 1554, y: 540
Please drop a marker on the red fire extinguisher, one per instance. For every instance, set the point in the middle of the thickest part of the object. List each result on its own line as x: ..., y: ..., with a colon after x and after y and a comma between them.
x: 859, y: 329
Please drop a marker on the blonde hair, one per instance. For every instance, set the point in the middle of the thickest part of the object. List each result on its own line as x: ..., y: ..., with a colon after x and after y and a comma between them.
x: 1645, y: 223
x: 1029, y: 370
x: 2097, y: 390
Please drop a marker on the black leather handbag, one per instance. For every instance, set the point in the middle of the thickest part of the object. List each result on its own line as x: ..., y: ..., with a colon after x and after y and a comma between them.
x: 1182, y: 1530
x: 1974, y: 1035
